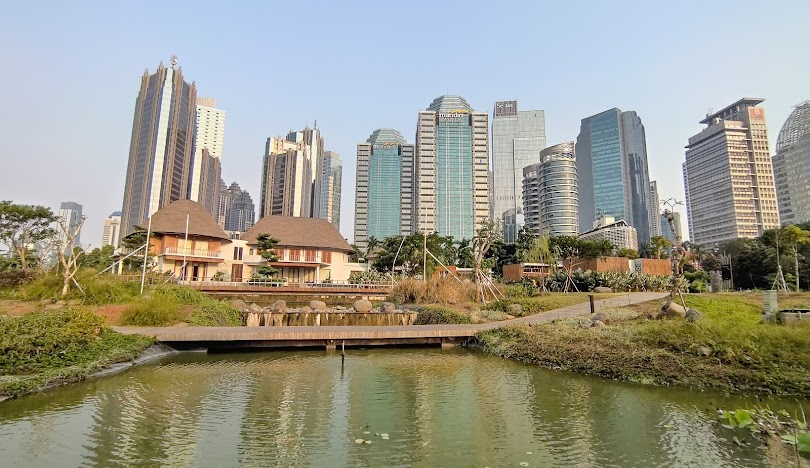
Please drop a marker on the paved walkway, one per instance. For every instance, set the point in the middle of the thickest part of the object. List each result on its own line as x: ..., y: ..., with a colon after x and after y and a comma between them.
x: 298, y: 334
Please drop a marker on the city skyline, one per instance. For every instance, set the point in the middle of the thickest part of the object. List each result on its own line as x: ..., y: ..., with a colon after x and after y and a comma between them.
x: 97, y: 136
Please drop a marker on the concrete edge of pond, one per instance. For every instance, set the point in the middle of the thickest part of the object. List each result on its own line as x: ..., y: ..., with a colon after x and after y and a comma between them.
x: 155, y: 351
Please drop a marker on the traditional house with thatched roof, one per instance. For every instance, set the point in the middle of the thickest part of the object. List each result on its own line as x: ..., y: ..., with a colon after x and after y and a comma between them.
x: 309, y: 250
x: 187, y: 241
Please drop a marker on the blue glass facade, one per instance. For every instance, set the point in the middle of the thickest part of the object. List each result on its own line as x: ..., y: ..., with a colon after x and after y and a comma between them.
x: 454, y: 176
x: 606, y: 161
x: 384, y: 191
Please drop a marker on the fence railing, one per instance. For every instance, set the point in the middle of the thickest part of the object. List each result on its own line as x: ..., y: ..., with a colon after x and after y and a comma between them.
x: 285, y: 283
x: 193, y: 252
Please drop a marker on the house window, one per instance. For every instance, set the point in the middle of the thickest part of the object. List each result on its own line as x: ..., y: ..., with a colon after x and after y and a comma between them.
x: 279, y: 253
x: 310, y: 256
x: 326, y: 256
x: 237, y: 253
x: 295, y: 255
x: 251, y: 252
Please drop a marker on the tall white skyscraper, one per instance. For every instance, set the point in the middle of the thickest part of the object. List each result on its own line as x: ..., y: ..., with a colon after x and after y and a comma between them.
x: 452, y: 168
x: 517, y: 139
x: 728, y: 176
x: 288, y: 173
x: 655, y: 211
x: 112, y: 230
x: 791, y: 166
x: 207, y: 163
x: 70, y: 213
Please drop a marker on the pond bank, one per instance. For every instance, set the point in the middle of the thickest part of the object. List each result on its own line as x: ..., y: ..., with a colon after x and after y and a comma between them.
x: 728, y: 348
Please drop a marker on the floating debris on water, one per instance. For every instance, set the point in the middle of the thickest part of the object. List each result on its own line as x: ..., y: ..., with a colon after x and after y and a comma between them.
x: 359, y: 441
x: 367, y: 442
x: 528, y: 453
x: 524, y: 463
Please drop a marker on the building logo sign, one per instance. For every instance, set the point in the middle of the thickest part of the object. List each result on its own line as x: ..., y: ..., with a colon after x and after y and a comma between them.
x: 505, y: 108
x: 454, y: 115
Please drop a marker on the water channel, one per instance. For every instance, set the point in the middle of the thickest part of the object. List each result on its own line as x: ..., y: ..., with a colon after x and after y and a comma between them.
x: 418, y: 407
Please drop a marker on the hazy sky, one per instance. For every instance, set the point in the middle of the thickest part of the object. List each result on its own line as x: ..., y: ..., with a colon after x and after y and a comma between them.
x: 71, y: 73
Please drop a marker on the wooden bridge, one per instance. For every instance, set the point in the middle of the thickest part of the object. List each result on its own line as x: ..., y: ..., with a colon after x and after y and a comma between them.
x: 332, y: 336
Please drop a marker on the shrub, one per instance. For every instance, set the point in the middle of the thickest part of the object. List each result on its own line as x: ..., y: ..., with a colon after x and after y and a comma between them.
x: 433, y: 315
x: 215, y: 314
x: 155, y: 311
x: 182, y: 294
x: 523, y: 289
x: 48, y: 339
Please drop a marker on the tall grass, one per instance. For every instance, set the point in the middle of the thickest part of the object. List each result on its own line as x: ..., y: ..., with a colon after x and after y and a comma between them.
x: 216, y: 314
x: 158, y: 310
x: 446, y: 291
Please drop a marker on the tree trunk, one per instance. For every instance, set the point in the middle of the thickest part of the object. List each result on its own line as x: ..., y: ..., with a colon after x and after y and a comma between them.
x: 796, y: 265
x: 66, y: 285
x: 23, y: 262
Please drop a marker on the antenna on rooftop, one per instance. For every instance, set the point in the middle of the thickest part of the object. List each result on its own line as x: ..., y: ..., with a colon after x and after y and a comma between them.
x: 710, y: 111
x: 173, y: 60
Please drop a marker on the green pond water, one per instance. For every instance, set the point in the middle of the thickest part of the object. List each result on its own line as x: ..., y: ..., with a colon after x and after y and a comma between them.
x: 438, y: 407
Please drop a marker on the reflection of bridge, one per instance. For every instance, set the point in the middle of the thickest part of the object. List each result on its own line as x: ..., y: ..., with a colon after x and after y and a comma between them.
x: 270, y: 337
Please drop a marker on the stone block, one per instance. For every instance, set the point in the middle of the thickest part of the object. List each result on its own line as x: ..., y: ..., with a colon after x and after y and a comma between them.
x: 363, y: 305
x: 317, y: 305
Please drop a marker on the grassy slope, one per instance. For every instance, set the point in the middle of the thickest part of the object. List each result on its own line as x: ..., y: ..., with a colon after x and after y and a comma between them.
x: 746, y: 355
x: 45, y: 348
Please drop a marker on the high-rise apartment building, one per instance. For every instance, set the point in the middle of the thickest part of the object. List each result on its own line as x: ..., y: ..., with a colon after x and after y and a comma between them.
x: 112, y: 230
x: 612, y: 168
x: 791, y: 167
x: 224, y: 202
x: 384, y: 187
x: 207, y: 163
x: 288, y: 173
x: 549, y: 188
x: 161, y: 149
x: 655, y: 210
x: 70, y: 214
x: 328, y: 183
x: 452, y: 168
x: 517, y: 139
x: 728, y: 176
x: 618, y: 233
x: 241, y: 214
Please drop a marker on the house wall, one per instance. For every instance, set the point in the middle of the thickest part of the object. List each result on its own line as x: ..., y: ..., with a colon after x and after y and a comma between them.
x: 338, y: 268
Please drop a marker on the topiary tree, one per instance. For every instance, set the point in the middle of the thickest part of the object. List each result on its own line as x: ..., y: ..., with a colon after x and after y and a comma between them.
x: 266, y: 245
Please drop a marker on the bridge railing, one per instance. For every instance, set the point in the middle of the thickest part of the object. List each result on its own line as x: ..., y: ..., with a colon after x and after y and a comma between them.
x: 283, y: 284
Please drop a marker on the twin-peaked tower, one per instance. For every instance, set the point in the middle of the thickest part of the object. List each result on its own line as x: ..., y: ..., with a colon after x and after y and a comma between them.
x: 299, y: 178
x: 175, y: 150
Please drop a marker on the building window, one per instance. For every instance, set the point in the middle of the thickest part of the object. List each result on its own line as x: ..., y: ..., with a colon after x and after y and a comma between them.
x: 251, y: 252
x: 326, y: 256
x: 310, y: 256
x: 295, y: 255
x: 280, y: 253
x: 237, y: 253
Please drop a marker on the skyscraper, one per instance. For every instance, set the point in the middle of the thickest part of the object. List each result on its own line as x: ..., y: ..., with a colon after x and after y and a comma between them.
x: 517, y: 139
x: 241, y: 213
x: 452, y: 168
x: 207, y: 163
x: 728, y: 176
x: 791, y: 166
x: 384, y: 187
x: 666, y: 230
x: 223, y: 204
x: 550, y: 192
x: 160, y: 152
x: 655, y: 210
x: 112, y: 230
x: 70, y: 214
x: 612, y: 169
x: 288, y: 173
x: 328, y: 183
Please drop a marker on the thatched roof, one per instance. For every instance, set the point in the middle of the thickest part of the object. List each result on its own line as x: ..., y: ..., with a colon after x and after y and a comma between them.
x: 171, y: 219
x: 292, y: 231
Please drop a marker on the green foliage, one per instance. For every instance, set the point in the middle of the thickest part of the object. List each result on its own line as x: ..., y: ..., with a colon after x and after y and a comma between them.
x: 182, y: 294
x: 97, y: 259
x: 744, y: 354
x: 659, y: 247
x: 439, y: 291
x: 156, y: 311
x: 632, y: 254
x: 58, y: 346
x: 134, y: 241
x: 618, y: 281
x: 215, y: 314
x: 435, y: 315
x: 410, y: 259
x: 763, y: 423
x: 24, y: 225
x: 501, y: 254
x: 369, y: 277
x: 740, y: 418
x: 522, y: 289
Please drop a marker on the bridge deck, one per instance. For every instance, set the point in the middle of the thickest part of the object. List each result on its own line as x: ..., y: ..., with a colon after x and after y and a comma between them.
x: 302, y: 336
